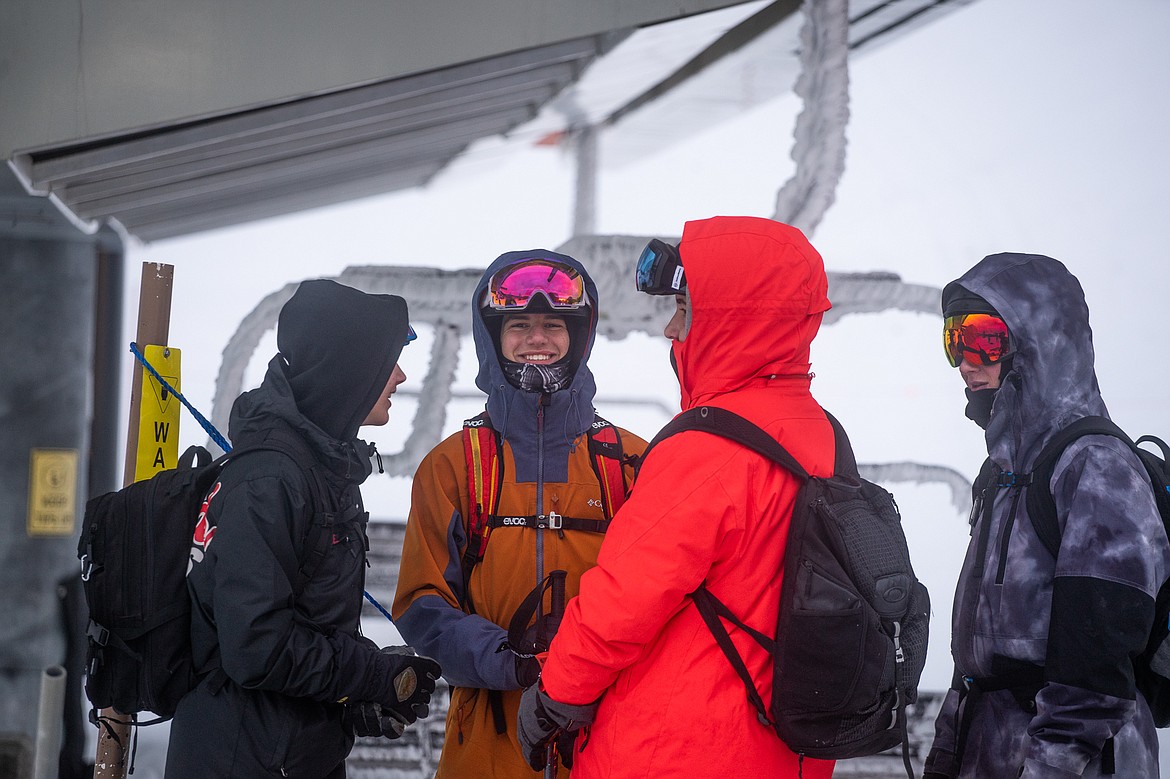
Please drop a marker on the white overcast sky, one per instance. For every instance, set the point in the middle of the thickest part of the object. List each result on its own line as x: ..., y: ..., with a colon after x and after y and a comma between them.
x: 1008, y: 125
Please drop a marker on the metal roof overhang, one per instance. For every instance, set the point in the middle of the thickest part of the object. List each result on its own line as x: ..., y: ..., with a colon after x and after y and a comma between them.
x: 399, y: 133
x: 305, y: 153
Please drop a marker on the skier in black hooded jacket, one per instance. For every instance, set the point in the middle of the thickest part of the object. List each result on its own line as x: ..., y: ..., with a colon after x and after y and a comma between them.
x: 278, y: 559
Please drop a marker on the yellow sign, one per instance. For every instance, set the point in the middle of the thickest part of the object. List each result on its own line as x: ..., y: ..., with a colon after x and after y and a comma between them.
x: 158, y: 423
x: 52, y: 492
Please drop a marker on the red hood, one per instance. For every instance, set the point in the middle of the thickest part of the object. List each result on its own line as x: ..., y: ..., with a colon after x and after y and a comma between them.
x: 758, y: 291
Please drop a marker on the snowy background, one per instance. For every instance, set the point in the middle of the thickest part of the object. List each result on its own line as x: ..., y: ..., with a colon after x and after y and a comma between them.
x: 1007, y: 125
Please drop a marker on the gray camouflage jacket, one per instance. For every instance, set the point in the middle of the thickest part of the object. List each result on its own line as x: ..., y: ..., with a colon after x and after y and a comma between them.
x: 1079, y: 619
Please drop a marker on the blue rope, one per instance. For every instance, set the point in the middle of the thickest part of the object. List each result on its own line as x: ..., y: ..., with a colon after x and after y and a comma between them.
x: 211, y: 431
x: 219, y: 439
x: 378, y: 606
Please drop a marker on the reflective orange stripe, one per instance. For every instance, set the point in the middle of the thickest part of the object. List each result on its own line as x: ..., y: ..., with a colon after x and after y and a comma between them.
x: 609, y: 472
x: 479, y: 446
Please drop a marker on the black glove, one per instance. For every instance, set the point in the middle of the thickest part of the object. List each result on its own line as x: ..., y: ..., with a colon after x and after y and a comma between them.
x: 542, y: 719
x: 527, y: 666
x: 527, y: 671
x: 372, y: 719
x: 412, y: 680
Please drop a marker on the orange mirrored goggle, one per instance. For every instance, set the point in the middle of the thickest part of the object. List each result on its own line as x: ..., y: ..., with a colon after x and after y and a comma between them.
x: 980, y: 339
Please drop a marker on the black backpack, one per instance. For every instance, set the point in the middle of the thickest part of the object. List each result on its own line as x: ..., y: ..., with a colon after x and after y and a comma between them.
x: 135, y: 549
x: 1151, y: 667
x: 850, y: 641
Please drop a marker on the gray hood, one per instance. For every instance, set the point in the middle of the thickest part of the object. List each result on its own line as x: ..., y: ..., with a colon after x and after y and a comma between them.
x: 1052, y: 380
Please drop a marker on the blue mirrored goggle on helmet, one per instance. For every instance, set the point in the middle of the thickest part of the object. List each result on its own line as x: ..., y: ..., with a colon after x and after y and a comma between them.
x: 410, y: 334
x: 660, y: 270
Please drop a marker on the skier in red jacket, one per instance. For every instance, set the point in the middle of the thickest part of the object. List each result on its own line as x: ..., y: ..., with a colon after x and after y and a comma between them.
x: 633, y: 664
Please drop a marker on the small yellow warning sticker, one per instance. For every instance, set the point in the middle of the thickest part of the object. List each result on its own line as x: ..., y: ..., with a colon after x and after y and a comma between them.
x: 52, y: 492
x: 158, y: 424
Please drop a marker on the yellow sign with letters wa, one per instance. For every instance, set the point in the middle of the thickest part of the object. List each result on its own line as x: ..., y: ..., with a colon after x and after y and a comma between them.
x: 158, y: 424
x: 52, y: 490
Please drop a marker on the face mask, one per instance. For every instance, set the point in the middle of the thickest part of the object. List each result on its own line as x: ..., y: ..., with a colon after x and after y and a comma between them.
x: 979, y: 406
x: 538, y: 378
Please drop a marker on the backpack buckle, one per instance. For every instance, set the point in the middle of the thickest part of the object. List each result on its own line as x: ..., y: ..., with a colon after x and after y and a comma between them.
x: 98, y: 633
x: 551, y: 521
x: 1013, y: 479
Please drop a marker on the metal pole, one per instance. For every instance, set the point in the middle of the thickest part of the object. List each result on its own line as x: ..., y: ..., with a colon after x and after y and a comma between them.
x: 154, y: 324
x: 49, y: 723
x: 585, y: 202
x: 108, y: 351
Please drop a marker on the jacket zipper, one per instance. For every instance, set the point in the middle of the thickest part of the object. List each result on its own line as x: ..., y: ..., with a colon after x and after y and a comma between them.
x: 1005, y: 539
x: 970, y: 605
x: 540, y: 485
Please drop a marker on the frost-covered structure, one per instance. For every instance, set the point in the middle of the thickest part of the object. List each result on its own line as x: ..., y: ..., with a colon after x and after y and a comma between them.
x: 439, y: 298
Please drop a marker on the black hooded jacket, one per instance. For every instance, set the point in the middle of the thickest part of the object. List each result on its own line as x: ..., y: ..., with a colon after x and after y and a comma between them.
x: 288, y: 660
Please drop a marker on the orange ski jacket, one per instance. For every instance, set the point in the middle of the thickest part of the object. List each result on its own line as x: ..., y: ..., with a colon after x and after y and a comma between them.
x: 547, y: 468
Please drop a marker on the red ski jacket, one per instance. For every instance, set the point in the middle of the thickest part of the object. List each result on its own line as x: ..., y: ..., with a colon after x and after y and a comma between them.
x: 704, y: 509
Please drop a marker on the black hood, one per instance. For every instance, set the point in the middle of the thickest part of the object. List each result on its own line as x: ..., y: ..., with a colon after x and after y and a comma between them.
x: 957, y: 299
x: 339, y: 346
x: 257, y: 411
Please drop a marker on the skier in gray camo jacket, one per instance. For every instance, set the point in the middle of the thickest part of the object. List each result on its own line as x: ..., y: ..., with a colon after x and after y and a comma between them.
x: 1044, y: 681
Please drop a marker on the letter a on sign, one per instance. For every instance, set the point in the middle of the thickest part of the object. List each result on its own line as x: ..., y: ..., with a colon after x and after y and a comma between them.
x: 158, y: 426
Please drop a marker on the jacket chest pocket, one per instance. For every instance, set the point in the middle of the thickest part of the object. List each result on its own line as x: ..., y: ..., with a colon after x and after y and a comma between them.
x: 335, y: 548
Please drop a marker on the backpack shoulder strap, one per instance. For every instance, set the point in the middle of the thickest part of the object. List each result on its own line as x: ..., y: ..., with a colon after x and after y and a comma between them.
x: 985, y: 479
x: 711, y: 609
x: 485, y: 478
x: 607, y: 459
x: 1041, y: 506
x: 844, y: 461
x: 1158, y: 470
x: 727, y: 424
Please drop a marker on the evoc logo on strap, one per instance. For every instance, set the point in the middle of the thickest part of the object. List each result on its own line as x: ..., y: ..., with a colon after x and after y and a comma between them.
x: 513, y: 521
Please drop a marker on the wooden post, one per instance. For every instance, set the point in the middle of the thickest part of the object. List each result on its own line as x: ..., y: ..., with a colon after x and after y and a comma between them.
x: 154, y: 324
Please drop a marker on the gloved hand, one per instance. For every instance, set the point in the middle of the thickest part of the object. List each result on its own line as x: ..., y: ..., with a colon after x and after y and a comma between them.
x: 527, y: 666
x: 527, y: 671
x: 542, y: 719
x: 412, y: 680
x: 368, y: 718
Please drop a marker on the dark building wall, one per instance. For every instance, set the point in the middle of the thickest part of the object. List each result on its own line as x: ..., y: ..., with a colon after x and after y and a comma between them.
x: 48, y: 284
